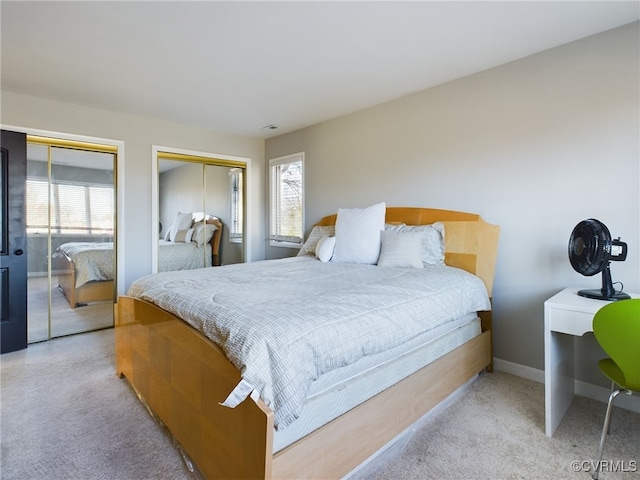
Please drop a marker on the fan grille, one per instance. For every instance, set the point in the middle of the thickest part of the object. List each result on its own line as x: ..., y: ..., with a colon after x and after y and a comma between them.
x: 589, y: 247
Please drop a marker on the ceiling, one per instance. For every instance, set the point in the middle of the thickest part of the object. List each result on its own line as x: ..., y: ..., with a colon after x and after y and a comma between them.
x: 236, y: 67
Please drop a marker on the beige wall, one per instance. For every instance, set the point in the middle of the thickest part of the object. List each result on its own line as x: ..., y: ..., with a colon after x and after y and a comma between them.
x: 138, y: 135
x: 534, y: 146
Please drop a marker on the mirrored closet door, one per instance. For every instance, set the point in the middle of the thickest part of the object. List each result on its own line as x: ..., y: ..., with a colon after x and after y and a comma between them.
x: 70, y: 207
x: 200, y: 205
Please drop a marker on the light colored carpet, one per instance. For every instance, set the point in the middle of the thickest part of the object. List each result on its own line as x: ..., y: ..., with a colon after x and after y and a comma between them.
x: 65, y: 415
x: 495, y: 430
x: 64, y: 319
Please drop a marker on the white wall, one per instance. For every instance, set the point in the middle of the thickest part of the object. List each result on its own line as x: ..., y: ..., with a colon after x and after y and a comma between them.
x: 534, y: 146
x: 138, y: 135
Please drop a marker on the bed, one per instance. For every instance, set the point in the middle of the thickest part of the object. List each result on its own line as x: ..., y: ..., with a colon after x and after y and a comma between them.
x: 186, y: 380
x: 85, y: 269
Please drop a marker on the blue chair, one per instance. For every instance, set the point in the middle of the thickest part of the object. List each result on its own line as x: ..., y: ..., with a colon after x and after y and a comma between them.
x: 616, y: 326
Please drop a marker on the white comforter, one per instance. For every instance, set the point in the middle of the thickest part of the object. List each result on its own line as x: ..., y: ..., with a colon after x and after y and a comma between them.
x: 283, y: 323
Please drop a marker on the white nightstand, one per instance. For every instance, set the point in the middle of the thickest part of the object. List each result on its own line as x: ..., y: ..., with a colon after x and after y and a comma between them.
x: 566, y: 315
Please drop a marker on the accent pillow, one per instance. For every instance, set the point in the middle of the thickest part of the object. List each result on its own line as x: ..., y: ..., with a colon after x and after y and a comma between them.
x: 324, y: 248
x: 432, y: 252
x: 358, y: 234
x: 182, y: 222
x: 400, y: 249
x: 202, y: 233
x: 317, y: 232
x: 181, y: 236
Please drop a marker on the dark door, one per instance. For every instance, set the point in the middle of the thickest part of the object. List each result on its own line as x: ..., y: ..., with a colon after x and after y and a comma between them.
x: 13, y: 242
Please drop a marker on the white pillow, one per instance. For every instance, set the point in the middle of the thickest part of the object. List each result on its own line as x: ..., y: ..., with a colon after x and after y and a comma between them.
x: 432, y: 240
x: 182, y: 222
x: 400, y: 249
x: 358, y: 234
x: 317, y: 232
x: 324, y: 248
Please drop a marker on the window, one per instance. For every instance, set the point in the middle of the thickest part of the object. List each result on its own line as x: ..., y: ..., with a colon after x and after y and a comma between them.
x: 237, y: 206
x: 38, y: 202
x: 75, y: 208
x: 286, y: 180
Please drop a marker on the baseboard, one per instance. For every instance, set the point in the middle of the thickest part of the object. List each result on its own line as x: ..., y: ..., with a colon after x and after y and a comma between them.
x: 584, y: 389
x: 629, y: 402
x: 518, y: 370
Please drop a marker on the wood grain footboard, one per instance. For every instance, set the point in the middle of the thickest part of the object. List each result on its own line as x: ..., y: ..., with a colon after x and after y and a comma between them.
x: 183, y: 376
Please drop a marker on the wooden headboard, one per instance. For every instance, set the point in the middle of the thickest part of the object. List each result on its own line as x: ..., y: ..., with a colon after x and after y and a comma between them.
x: 470, y: 243
x: 215, y: 239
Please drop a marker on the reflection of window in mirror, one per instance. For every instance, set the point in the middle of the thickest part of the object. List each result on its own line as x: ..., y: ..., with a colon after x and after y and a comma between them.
x: 236, y: 200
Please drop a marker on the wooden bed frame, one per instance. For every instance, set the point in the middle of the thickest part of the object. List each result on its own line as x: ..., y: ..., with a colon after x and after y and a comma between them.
x: 181, y: 376
x: 102, y: 291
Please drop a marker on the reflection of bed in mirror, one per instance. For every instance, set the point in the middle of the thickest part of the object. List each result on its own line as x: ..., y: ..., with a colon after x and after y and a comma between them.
x: 85, y: 269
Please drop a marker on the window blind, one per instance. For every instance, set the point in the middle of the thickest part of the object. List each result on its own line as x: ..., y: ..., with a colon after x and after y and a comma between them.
x: 286, y: 202
x: 237, y: 207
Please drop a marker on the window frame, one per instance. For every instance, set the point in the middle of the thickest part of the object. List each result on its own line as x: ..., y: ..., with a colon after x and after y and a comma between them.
x: 277, y: 162
x: 236, y: 175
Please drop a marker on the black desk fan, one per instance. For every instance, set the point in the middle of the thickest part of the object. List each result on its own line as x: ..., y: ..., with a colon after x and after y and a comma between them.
x: 591, y: 249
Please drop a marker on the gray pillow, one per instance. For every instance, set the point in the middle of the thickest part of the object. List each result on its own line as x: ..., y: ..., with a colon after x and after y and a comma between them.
x: 432, y: 252
x: 400, y: 249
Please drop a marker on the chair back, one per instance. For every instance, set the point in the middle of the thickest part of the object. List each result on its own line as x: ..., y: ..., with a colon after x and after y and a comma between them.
x: 616, y: 326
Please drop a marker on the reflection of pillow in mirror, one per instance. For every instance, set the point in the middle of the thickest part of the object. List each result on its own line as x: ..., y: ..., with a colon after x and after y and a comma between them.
x: 317, y: 232
x: 202, y: 233
x: 400, y: 249
x: 182, y: 222
x: 184, y: 236
x: 197, y: 216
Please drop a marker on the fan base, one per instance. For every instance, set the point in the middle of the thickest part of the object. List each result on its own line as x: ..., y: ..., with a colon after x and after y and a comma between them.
x: 597, y: 294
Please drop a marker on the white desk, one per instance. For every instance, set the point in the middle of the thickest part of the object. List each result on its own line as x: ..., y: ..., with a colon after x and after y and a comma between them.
x: 566, y: 315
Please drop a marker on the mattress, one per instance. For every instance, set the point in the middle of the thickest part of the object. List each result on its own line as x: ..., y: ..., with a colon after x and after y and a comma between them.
x: 341, y: 390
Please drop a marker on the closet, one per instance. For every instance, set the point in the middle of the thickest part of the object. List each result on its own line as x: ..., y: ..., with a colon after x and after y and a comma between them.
x: 200, y: 185
x: 70, y: 208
